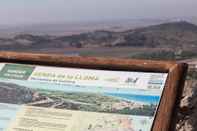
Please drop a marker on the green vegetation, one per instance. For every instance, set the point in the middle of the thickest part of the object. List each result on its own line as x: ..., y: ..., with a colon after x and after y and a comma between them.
x: 166, y: 55
x: 147, y: 110
x: 170, y: 35
x: 96, y: 103
x: 90, y: 98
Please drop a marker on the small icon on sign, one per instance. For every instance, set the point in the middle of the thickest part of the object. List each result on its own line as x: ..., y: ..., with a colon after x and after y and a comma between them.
x: 132, y: 80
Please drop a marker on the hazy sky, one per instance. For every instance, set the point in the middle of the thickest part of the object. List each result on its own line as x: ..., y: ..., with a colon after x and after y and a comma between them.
x: 51, y: 11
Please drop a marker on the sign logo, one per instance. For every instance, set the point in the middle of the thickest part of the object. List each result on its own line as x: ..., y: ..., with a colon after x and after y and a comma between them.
x: 131, y: 80
x: 19, y: 72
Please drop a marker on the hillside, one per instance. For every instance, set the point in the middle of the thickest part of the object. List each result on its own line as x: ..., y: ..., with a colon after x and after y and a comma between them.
x: 15, y: 94
x: 168, y: 35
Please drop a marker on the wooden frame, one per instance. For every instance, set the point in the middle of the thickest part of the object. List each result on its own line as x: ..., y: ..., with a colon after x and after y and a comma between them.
x: 173, y: 88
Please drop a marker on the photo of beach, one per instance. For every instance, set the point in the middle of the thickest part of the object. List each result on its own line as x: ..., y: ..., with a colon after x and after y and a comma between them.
x: 119, y: 103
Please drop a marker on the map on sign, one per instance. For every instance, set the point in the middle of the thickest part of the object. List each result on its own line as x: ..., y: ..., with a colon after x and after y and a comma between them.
x: 43, y: 98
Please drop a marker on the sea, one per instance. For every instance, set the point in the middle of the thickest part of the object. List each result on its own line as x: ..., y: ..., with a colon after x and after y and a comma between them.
x: 147, y: 99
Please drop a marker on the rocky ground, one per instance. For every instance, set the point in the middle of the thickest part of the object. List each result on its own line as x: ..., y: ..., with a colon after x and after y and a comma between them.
x: 187, y: 113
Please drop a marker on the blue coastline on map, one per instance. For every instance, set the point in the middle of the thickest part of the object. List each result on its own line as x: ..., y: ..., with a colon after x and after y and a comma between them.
x: 140, y: 98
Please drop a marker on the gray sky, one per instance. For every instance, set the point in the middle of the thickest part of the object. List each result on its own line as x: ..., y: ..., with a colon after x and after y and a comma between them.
x: 13, y: 12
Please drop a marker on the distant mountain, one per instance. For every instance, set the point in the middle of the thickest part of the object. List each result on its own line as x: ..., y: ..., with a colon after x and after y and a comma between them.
x: 70, y: 28
x: 169, y: 35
